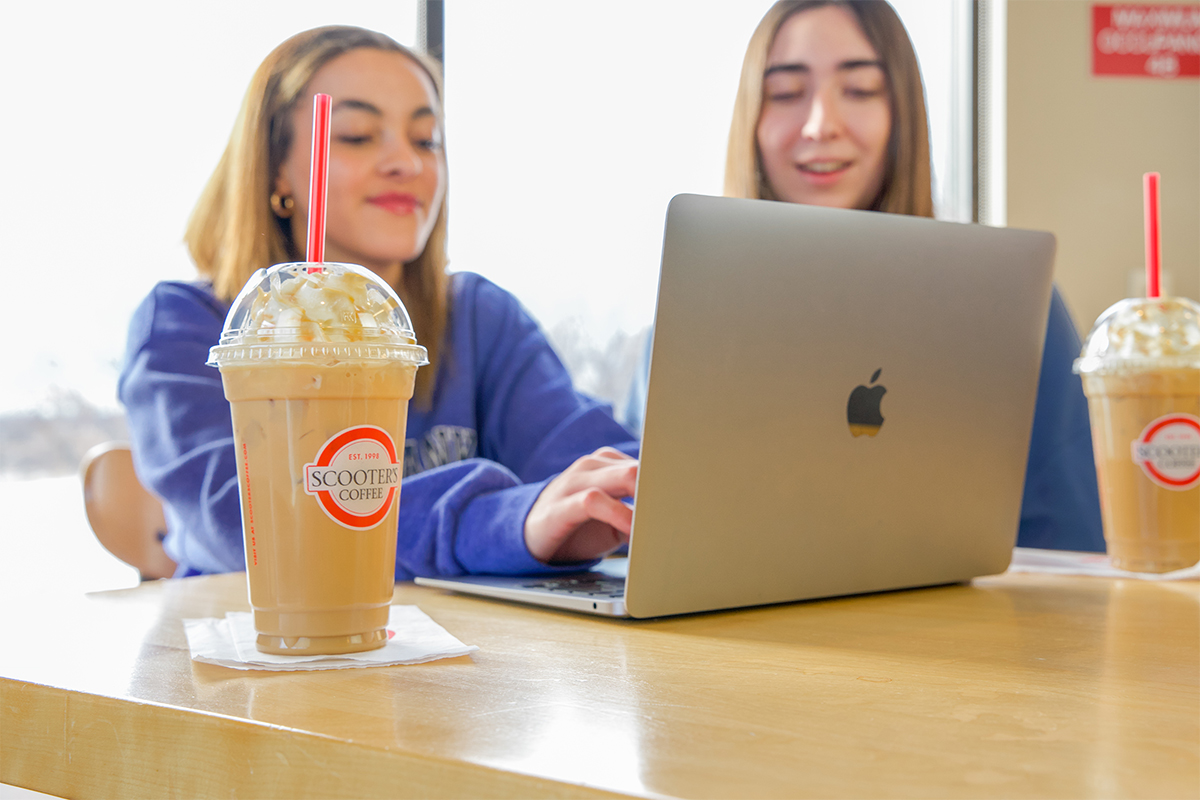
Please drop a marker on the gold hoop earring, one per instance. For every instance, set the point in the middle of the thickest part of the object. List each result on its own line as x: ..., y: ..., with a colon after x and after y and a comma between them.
x: 284, y: 206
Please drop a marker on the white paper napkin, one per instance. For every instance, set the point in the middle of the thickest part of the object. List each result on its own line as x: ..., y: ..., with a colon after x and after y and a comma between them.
x: 414, y: 638
x: 1065, y: 562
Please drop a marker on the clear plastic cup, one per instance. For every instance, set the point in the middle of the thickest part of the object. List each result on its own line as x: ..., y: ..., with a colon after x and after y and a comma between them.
x: 318, y: 363
x: 1141, y: 374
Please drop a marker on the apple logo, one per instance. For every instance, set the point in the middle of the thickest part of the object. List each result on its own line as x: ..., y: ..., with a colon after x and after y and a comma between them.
x: 862, y: 412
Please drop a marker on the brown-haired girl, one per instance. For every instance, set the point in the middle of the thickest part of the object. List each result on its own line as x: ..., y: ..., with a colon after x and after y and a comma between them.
x: 507, y: 468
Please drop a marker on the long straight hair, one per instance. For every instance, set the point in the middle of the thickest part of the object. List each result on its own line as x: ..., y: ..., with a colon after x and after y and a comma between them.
x: 906, y: 187
x: 233, y: 231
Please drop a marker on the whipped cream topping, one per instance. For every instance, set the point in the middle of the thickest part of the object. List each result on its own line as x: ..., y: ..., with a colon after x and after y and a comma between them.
x: 324, y: 306
x: 1143, y: 331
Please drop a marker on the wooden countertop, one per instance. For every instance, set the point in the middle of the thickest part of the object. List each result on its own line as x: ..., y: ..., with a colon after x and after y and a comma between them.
x: 1012, y: 686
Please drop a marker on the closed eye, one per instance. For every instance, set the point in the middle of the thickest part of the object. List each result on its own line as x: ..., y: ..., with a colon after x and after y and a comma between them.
x: 783, y: 97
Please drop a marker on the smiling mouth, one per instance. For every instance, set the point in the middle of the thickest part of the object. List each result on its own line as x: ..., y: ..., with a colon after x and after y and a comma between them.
x: 399, y: 204
x: 824, y: 167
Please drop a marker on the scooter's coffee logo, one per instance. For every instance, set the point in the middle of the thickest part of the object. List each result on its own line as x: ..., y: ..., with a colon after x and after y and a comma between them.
x: 1168, y: 451
x: 355, y: 477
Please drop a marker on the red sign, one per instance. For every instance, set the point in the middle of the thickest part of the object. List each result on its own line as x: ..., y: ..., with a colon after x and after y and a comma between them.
x: 1146, y: 41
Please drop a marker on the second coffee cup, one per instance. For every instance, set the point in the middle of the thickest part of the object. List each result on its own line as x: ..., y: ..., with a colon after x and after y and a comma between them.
x: 1141, y: 374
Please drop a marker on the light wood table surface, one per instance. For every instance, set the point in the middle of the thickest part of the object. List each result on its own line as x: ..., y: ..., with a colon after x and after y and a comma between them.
x: 1012, y: 686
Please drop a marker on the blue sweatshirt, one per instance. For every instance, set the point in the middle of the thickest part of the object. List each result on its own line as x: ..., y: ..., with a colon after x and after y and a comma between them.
x: 1060, y: 509
x: 504, y: 419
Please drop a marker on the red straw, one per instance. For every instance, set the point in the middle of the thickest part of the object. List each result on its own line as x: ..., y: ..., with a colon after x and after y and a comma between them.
x: 1153, y: 235
x: 318, y: 179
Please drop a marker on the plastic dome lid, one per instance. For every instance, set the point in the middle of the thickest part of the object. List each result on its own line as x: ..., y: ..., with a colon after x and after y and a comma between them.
x: 302, y: 311
x: 1144, y: 333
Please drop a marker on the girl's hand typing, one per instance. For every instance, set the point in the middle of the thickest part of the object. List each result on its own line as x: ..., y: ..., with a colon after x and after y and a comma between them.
x: 580, y: 514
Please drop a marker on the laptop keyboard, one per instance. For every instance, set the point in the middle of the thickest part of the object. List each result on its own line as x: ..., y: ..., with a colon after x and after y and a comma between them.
x: 588, y: 587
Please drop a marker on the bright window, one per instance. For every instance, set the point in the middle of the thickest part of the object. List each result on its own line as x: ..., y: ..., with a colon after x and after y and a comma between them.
x: 570, y: 126
x: 115, y: 116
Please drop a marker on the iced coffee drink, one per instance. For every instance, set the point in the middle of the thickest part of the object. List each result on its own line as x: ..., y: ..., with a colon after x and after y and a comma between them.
x: 1141, y: 374
x: 318, y: 366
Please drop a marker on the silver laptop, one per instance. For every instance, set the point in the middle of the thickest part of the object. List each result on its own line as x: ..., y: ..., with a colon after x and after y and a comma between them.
x: 840, y: 402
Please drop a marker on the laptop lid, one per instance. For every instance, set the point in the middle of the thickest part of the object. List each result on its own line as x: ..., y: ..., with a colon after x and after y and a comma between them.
x: 839, y: 402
